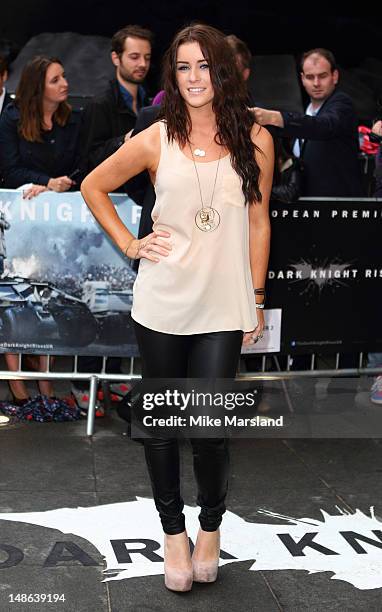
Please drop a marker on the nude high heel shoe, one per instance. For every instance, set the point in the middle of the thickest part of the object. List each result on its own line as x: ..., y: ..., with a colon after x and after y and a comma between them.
x: 206, y: 571
x: 176, y: 579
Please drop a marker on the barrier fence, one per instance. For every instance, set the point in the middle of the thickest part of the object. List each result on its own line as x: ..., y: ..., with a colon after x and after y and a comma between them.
x: 103, y: 377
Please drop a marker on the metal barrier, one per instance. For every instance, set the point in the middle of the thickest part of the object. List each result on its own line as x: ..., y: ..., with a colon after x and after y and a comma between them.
x: 263, y: 374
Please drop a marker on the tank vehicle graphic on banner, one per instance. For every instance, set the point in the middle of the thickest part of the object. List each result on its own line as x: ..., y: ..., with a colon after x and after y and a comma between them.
x: 30, y: 310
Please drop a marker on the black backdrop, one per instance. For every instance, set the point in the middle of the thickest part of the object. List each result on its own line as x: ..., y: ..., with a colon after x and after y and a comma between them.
x: 353, y: 34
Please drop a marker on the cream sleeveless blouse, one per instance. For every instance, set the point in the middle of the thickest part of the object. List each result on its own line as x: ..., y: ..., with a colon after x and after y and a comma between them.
x: 204, y: 284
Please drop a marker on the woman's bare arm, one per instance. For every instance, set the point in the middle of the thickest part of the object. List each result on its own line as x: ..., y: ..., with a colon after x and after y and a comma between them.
x: 260, y: 228
x: 259, y: 223
x: 137, y: 154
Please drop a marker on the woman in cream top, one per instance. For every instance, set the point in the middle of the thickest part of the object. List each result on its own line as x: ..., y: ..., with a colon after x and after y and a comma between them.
x: 202, y: 286
x: 194, y: 301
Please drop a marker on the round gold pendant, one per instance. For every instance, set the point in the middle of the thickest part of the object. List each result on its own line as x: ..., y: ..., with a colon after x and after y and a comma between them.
x: 207, y: 219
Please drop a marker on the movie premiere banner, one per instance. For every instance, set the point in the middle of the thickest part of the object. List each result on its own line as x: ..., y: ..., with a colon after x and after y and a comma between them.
x: 325, y: 274
x: 66, y: 289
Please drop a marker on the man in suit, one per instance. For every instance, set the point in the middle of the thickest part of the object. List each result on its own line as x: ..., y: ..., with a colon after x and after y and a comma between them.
x: 326, y: 136
x: 327, y: 142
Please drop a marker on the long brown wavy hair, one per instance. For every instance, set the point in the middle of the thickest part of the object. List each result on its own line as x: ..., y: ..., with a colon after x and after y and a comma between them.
x: 230, y: 104
x: 29, y: 99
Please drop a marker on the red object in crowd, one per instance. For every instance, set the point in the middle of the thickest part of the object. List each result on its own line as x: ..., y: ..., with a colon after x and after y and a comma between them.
x: 365, y: 145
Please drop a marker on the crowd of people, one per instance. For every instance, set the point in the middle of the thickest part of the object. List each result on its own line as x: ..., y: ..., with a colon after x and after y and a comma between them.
x: 45, y: 144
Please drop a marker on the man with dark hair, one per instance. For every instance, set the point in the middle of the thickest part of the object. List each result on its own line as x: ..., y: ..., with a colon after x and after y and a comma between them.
x: 109, y: 120
x: 4, y: 97
x: 326, y: 136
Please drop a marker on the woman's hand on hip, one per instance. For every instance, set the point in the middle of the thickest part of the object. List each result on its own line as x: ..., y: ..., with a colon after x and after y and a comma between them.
x: 254, y: 336
x: 149, y: 246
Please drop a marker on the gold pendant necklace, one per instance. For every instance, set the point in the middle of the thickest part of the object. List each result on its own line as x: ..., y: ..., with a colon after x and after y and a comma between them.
x: 207, y: 218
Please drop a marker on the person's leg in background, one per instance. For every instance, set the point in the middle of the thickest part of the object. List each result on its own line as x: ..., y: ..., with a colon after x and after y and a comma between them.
x: 374, y: 360
x: 80, y: 388
x: 93, y: 364
x: 45, y: 386
x: 119, y: 389
x: 18, y: 388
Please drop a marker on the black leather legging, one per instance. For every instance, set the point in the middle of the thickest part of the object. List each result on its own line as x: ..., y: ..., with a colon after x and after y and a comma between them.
x: 207, y: 355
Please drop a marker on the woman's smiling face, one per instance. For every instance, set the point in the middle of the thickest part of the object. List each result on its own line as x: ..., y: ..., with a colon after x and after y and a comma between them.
x: 193, y: 76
